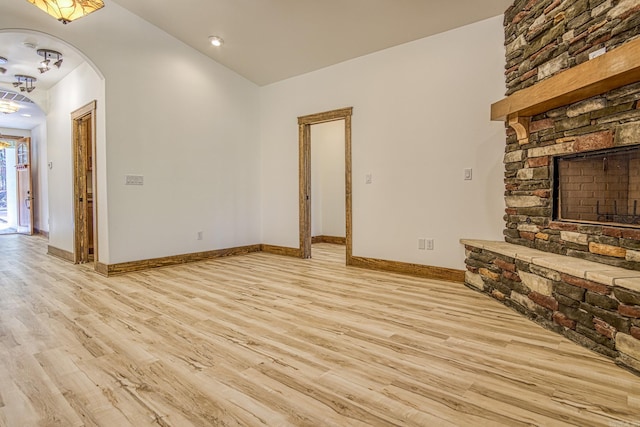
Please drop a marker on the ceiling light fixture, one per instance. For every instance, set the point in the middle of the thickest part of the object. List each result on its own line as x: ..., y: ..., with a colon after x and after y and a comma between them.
x: 216, y: 41
x: 66, y: 11
x: 3, y: 60
x: 48, y: 54
x: 25, y: 83
x: 8, y: 107
x: 3, y: 70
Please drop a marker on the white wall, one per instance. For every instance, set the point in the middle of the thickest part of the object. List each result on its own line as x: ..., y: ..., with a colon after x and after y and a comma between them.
x: 190, y: 127
x: 328, y: 179
x: 421, y: 115
x: 76, y: 90
x: 187, y: 124
x: 40, y: 178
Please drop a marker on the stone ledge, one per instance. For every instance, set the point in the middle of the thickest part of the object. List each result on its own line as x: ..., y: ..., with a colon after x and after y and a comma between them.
x: 596, y: 272
x: 592, y: 304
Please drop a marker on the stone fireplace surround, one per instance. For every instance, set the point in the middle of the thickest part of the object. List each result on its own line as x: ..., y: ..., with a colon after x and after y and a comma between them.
x: 581, y: 280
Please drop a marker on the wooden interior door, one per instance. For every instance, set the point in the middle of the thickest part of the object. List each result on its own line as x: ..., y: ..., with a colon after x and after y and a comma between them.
x: 25, y: 186
x: 83, y: 131
x: 84, y: 170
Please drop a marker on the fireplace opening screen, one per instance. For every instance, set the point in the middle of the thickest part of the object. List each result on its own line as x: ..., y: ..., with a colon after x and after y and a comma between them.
x: 599, y: 187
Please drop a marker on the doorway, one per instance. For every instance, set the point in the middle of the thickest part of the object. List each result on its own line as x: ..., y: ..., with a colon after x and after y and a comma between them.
x: 8, y: 224
x: 304, y: 143
x: 85, y: 223
x: 24, y: 186
x: 327, y: 183
x: 16, y: 194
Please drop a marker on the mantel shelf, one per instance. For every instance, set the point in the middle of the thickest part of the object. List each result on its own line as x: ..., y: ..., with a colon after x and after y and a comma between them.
x: 614, y: 69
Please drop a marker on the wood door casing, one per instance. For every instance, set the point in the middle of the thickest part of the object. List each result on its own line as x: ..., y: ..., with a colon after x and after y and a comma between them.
x: 24, y: 183
x: 304, y: 147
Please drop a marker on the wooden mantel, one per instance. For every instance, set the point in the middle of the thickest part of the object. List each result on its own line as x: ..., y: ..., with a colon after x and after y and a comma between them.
x: 614, y: 69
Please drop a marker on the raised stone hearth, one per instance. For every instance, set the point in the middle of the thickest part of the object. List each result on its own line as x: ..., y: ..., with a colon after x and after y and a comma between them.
x: 593, y: 304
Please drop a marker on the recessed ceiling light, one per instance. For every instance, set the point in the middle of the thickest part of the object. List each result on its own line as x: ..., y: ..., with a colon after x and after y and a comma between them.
x: 216, y: 41
x: 3, y: 60
x: 25, y: 115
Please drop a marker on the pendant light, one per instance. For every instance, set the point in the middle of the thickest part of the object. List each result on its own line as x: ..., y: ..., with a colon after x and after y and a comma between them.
x: 66, y: 11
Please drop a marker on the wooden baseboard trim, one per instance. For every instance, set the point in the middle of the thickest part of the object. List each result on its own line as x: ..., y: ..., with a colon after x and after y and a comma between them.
x: 102, y: 269
x: 42, y: 233
x: 329, y: 239
x: 429, y: 272
x: 426, y: 271
x: 281, y: 250
x: 60, y: 253
x: 128, y: 267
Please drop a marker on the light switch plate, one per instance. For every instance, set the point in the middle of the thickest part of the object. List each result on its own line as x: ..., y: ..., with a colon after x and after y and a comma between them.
x: 597, y: 53
x: 134, y: 180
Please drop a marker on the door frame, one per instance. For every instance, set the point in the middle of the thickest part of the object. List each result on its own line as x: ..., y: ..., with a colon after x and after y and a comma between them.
x: 14, y: 138
x: 304, y: 151
x: 79, y: 174
x: 26, y: 140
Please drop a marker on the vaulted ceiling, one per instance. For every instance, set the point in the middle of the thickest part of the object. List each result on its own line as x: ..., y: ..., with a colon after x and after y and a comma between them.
x: 264, y: 40
x: 271, y: 40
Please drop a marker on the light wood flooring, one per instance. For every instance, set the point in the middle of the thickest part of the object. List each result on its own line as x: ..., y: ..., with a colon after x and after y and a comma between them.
x: 268, y: 340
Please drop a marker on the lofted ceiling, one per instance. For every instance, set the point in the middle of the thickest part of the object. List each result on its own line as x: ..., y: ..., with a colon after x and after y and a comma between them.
x: 271, y: 40
x: 264, y: 40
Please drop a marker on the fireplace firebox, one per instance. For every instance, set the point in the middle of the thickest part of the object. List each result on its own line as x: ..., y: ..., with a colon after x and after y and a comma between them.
x: 601, y: 187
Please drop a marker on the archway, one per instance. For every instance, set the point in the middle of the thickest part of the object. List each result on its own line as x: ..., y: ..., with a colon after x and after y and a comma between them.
x: 59, y: 92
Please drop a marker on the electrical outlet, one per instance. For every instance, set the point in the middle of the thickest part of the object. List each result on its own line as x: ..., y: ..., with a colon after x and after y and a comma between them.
x: 429, y: 244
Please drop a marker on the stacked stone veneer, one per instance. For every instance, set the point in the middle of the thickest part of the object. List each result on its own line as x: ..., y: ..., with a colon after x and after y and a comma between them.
x: 545, y: 37
x: 580, y: 280
x: 607, y: 121
x: 590, y: 303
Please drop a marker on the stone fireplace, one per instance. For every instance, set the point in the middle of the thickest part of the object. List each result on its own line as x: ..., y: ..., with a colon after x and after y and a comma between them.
x: 572, y: 191
x: 571, y: 256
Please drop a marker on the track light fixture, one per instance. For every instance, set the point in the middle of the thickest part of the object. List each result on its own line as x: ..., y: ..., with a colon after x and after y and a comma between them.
x: 48, y: 55
x: 25, y: 83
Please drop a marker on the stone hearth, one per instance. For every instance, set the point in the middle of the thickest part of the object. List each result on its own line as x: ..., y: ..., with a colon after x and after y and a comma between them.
x: 593, y: 304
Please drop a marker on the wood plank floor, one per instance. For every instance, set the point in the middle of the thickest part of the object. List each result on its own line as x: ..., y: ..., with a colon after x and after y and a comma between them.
x: 269, y: 340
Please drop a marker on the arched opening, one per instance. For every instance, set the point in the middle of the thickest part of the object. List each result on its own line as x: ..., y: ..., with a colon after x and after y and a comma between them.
x: 45, y: 115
